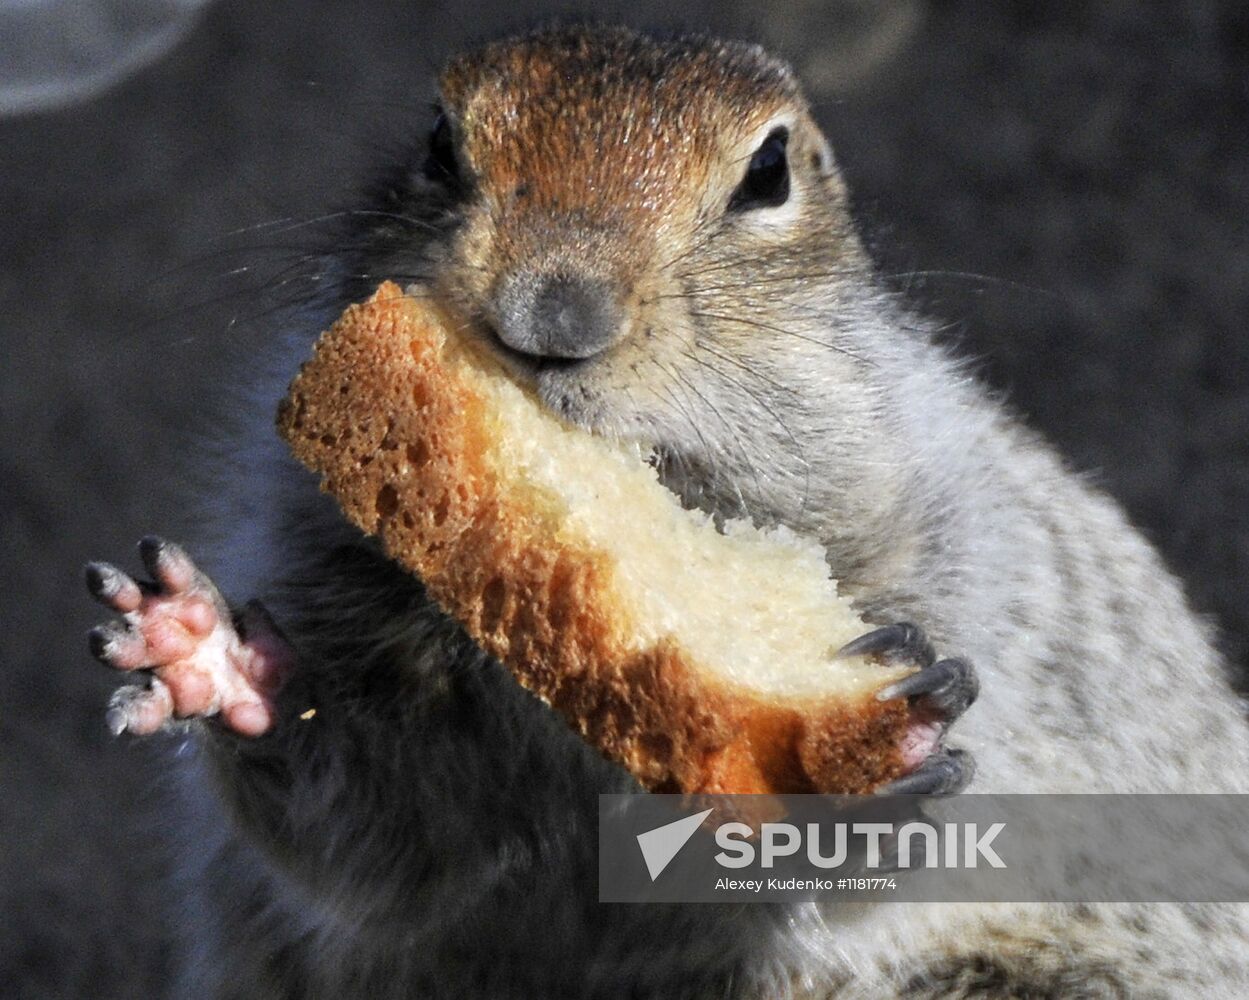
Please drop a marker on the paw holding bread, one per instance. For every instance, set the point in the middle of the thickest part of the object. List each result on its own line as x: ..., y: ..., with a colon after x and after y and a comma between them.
x: 700, y: 660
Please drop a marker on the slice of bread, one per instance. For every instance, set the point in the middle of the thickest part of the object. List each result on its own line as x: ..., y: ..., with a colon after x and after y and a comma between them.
x: 700, y: 661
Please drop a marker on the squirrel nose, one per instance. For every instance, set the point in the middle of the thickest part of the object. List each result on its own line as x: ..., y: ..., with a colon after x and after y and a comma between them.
x: 559, y: 316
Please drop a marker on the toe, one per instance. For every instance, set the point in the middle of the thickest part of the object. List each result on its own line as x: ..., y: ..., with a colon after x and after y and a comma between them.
x: 248, y: 718
x: 899, y: 643
x: 139, y: 710
x: 193, y: 691
x: 112, y: 587
x: 169, y: 565
x: 946, y: 688
x: 944, y: 773
x: 118, y: 647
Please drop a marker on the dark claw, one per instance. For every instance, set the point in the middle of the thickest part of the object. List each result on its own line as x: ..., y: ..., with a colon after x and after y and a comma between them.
x: 116, y: 717
x: 889, y: 860
x: 900, y: 643
x: 168, y: 564
x: 944, y: 773
x: 118, y: 647
x: 113, y: 587
x: 151, y: 550
x: 127, y: 703
x: 949, y: 686
x: 101, y: 640
x: 103, y: 579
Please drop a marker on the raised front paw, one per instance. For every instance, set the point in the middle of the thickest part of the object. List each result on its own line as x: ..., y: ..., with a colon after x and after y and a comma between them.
x: 938, y: 692
x: 200, y: 660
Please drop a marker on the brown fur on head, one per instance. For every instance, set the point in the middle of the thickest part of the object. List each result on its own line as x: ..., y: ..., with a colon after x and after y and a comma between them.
x: 612, y: 161
x: 613, y: 140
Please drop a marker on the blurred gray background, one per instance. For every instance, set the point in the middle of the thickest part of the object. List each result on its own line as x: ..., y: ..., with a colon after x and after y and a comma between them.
x: 1067, y: 185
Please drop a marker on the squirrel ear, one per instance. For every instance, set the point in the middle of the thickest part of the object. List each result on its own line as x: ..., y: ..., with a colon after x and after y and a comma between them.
x: 822, y: 159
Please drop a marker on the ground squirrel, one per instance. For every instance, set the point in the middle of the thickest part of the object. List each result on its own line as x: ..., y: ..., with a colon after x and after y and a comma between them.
x: 655, y: 234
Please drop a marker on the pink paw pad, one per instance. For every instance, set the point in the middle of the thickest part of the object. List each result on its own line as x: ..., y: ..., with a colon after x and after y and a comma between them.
x: 178, y: 628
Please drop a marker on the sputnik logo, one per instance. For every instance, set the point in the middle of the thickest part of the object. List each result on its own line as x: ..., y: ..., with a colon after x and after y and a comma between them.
x: 660, y: 845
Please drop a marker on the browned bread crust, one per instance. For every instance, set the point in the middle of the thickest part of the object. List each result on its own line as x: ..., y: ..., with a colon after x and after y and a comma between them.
x: 401, y: 443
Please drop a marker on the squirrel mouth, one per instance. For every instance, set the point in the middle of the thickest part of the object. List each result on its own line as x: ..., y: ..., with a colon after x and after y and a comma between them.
x: 530, y: 368
x: 565, y: 365
x: 564, y: 386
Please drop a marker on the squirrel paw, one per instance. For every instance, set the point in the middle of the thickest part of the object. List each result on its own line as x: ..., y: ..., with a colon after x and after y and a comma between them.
x: 201, y: 661
x: 945, y: 772
x: 938, y: 692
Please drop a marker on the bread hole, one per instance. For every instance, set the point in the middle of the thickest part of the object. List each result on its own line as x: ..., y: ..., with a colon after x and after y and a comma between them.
x: 387, y: 501
x: 389, y: 441
x: 418, y: 454
x: 329, y: 440
x: 441, y: 509
x: 492, y: 598
x: 420, y: 395
x: 656, y: 746
x: 561, y: 595
x: 408, y: 520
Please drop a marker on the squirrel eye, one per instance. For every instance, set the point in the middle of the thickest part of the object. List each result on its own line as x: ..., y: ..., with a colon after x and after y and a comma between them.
x: 766, y: 183
x: 441, y: 164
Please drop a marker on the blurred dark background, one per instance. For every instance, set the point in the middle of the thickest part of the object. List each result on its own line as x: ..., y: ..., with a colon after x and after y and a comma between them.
x: 1066, y: 184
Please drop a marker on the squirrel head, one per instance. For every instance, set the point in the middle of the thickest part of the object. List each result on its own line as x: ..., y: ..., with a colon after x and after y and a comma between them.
x: 653, y: 234
x: 590, y: 164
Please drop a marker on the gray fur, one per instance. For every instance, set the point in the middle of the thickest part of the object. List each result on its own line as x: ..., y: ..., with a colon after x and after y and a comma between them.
x: 430, y: 830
